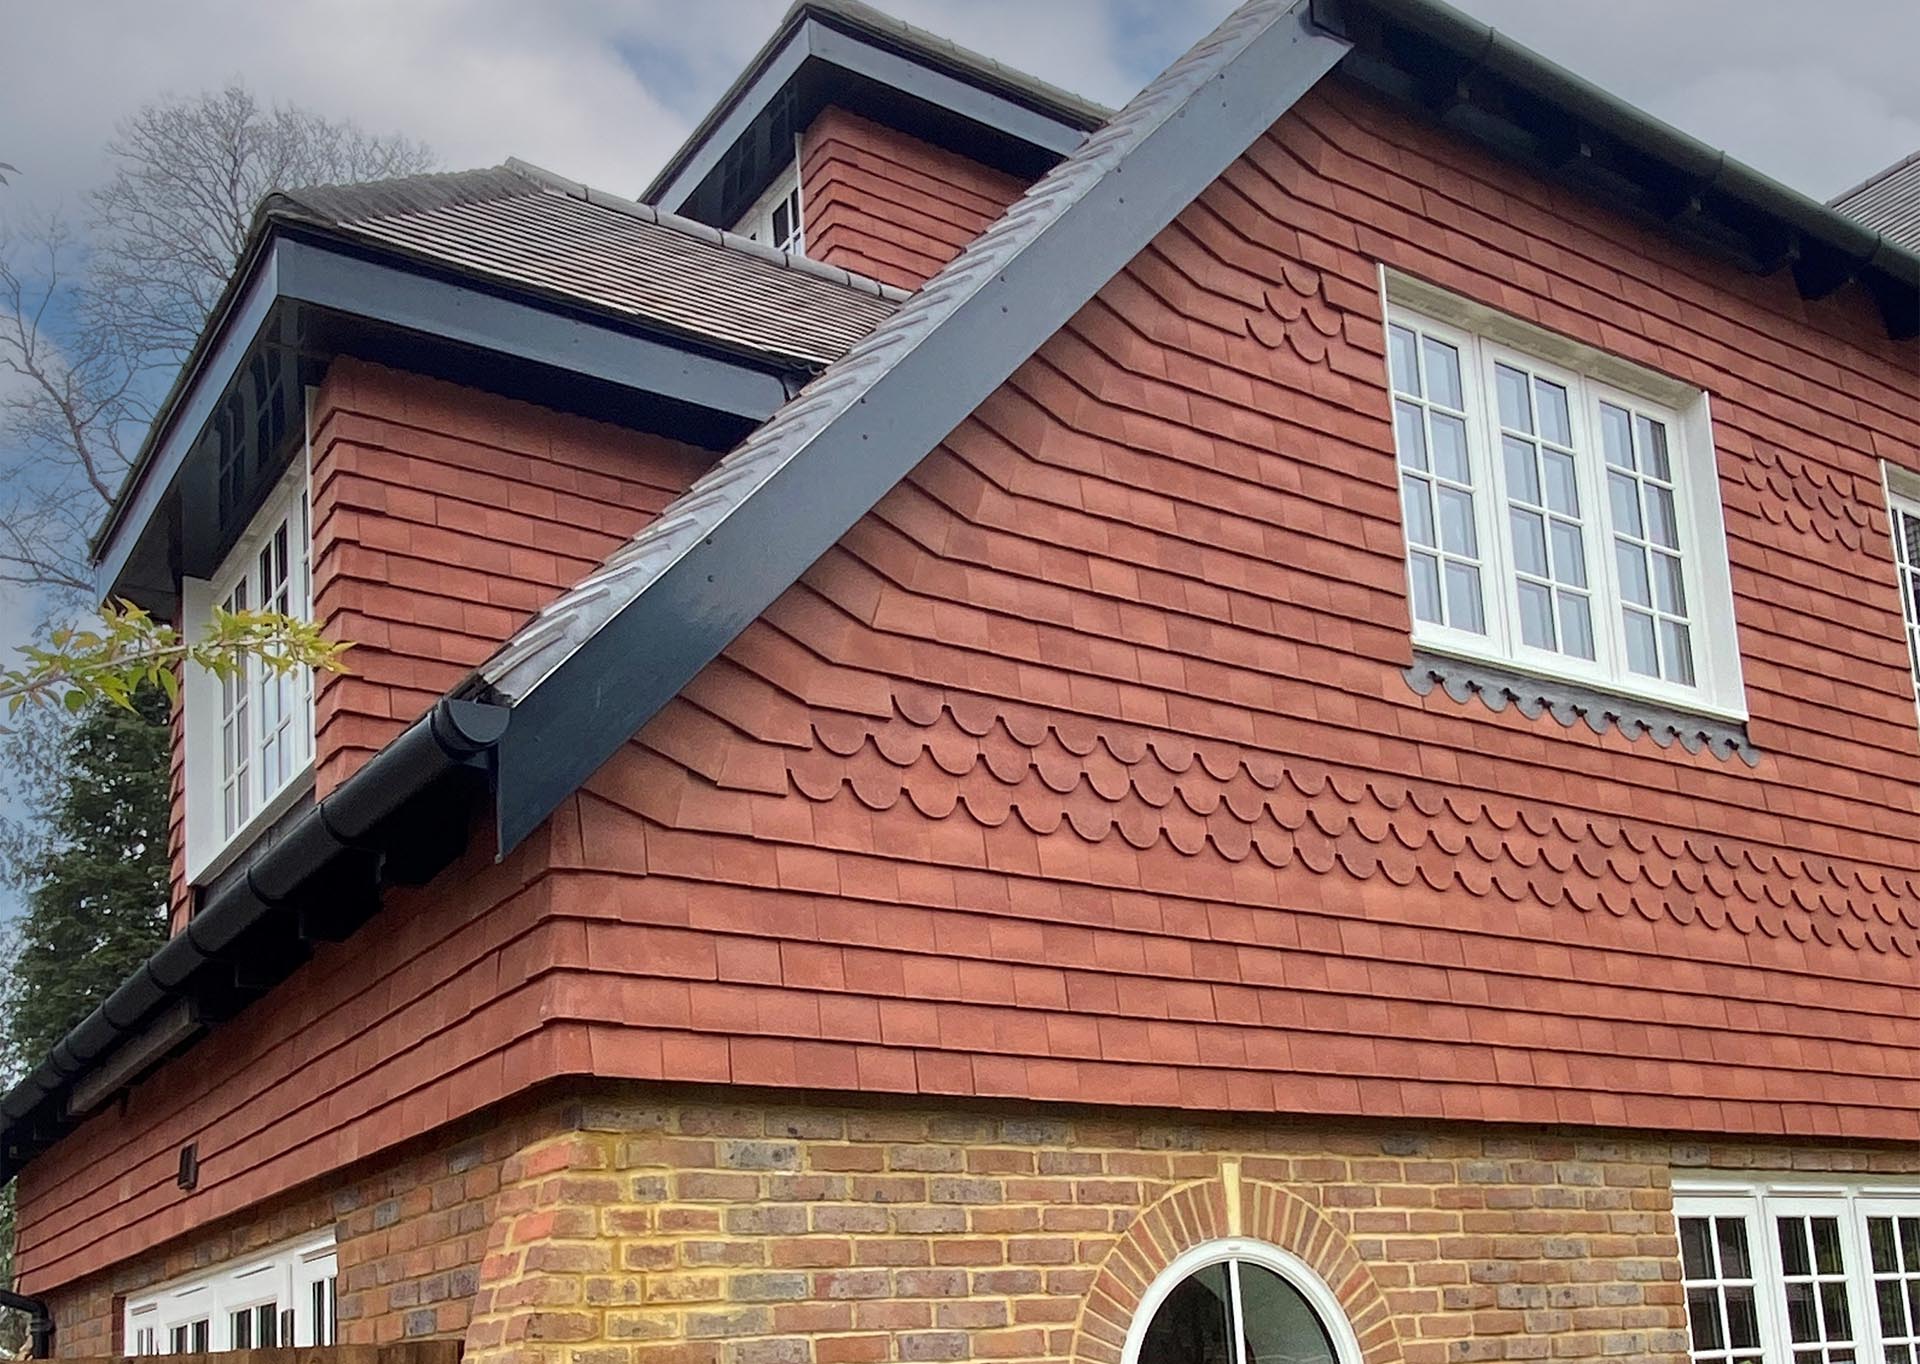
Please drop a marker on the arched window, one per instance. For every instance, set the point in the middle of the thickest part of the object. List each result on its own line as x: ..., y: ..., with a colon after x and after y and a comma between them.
x: 1240, y: 1302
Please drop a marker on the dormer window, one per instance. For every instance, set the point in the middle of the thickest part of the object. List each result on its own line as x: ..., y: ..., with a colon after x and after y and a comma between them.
x: 249, y: 737
x: 774, y: 220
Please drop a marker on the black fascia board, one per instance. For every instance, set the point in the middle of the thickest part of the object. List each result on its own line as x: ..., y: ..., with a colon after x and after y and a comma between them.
x: 816, y: 60
x: 221, y: 355
x: 333, y: 857
x: 300, y: 274
x: 546, y: 329
x: 1450, y: 69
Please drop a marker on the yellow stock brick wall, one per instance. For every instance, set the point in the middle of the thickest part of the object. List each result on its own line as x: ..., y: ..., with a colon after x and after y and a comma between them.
x: 741, y: 1234
x: 677, y: 1229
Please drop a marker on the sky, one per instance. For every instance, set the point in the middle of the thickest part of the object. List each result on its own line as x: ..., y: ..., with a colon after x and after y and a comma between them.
x: 603, y: 90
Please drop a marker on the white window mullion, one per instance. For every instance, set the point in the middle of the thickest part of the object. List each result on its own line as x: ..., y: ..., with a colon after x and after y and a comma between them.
x: 1723, y: 1281
x: 1835, y: 1269
x: 1816, y: 1272
x: 1495, y: 550
x: 1593, y: 495
x: 777, y: 219
x: 1444, y: 494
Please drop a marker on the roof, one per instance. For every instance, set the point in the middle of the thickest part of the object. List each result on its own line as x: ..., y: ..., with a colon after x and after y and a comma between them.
x: 1888, y: 202
x: 1074, y: 108
x: 921, y: 45
x: 523, y: 232
x: 526, y: 227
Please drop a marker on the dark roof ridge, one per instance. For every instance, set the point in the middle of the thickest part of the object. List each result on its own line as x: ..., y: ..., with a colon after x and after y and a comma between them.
x: 346, y: 204
x: 355, y: 199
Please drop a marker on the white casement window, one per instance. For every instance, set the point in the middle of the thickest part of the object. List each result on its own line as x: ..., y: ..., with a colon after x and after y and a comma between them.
x: 775, y: 219
x: 250, y: 735
x: 1561, y: 508
x: 286, y: 1297
x: 1788, y: 1272
x: 1903, y: 510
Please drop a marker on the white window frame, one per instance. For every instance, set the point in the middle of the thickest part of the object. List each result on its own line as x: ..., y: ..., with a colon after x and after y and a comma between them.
x: 1762, y: 1200
x: 1290, y: 1267
x: 209, y: 844
x: 1902, y: 490
x: 283, y: 1275
x: 1484, y: 337
x: 757, y: 222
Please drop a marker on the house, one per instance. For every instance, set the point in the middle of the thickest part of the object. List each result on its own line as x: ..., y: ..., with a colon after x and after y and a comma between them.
x: 989, y: 729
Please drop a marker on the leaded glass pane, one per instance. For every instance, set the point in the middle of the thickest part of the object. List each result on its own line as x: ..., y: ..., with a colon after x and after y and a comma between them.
x: 1563, y: 493
x: 1411, y: 433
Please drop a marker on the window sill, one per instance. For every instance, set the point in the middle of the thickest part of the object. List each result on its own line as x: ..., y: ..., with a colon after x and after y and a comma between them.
x: 248, y: 834
x: 1500, y: 685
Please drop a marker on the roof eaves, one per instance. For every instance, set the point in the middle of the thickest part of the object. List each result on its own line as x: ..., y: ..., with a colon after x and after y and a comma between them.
x: 312, y: 885
x: 673, y: 597
x: 217, y: 318
x: 306, y: 206
x: 1708, y: 168
x: 1021, y: 85
x: 1063, y: 105
x: 338, y: 212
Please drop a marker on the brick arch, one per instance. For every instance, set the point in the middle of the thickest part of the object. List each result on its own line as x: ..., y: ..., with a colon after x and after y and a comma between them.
x: 1211, y: 1210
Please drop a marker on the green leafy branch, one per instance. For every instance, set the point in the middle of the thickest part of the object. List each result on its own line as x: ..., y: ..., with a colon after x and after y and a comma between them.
x: 129, y: 648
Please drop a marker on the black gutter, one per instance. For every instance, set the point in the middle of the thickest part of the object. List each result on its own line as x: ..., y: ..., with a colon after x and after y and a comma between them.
x: 315, y: 884
x: 39, y: 1321
x: 1454, y: 55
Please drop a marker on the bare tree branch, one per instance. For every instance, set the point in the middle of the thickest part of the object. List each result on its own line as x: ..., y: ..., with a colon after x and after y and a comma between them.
x: 188, y: 175
x: 89, y: 327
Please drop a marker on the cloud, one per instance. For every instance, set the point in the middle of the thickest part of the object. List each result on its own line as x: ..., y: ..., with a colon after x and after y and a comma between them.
x: 603, y: 89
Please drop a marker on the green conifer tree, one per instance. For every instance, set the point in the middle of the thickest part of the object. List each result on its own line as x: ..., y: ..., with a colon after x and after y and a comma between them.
x: 96, y: 902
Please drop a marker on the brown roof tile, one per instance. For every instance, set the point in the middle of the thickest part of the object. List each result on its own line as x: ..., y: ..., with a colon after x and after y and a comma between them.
x: 524, y: 227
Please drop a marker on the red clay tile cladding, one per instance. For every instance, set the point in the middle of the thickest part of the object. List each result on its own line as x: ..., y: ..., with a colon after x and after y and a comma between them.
x: 1084, y: 768
x: 442, y: 519
x: 889, y: 206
